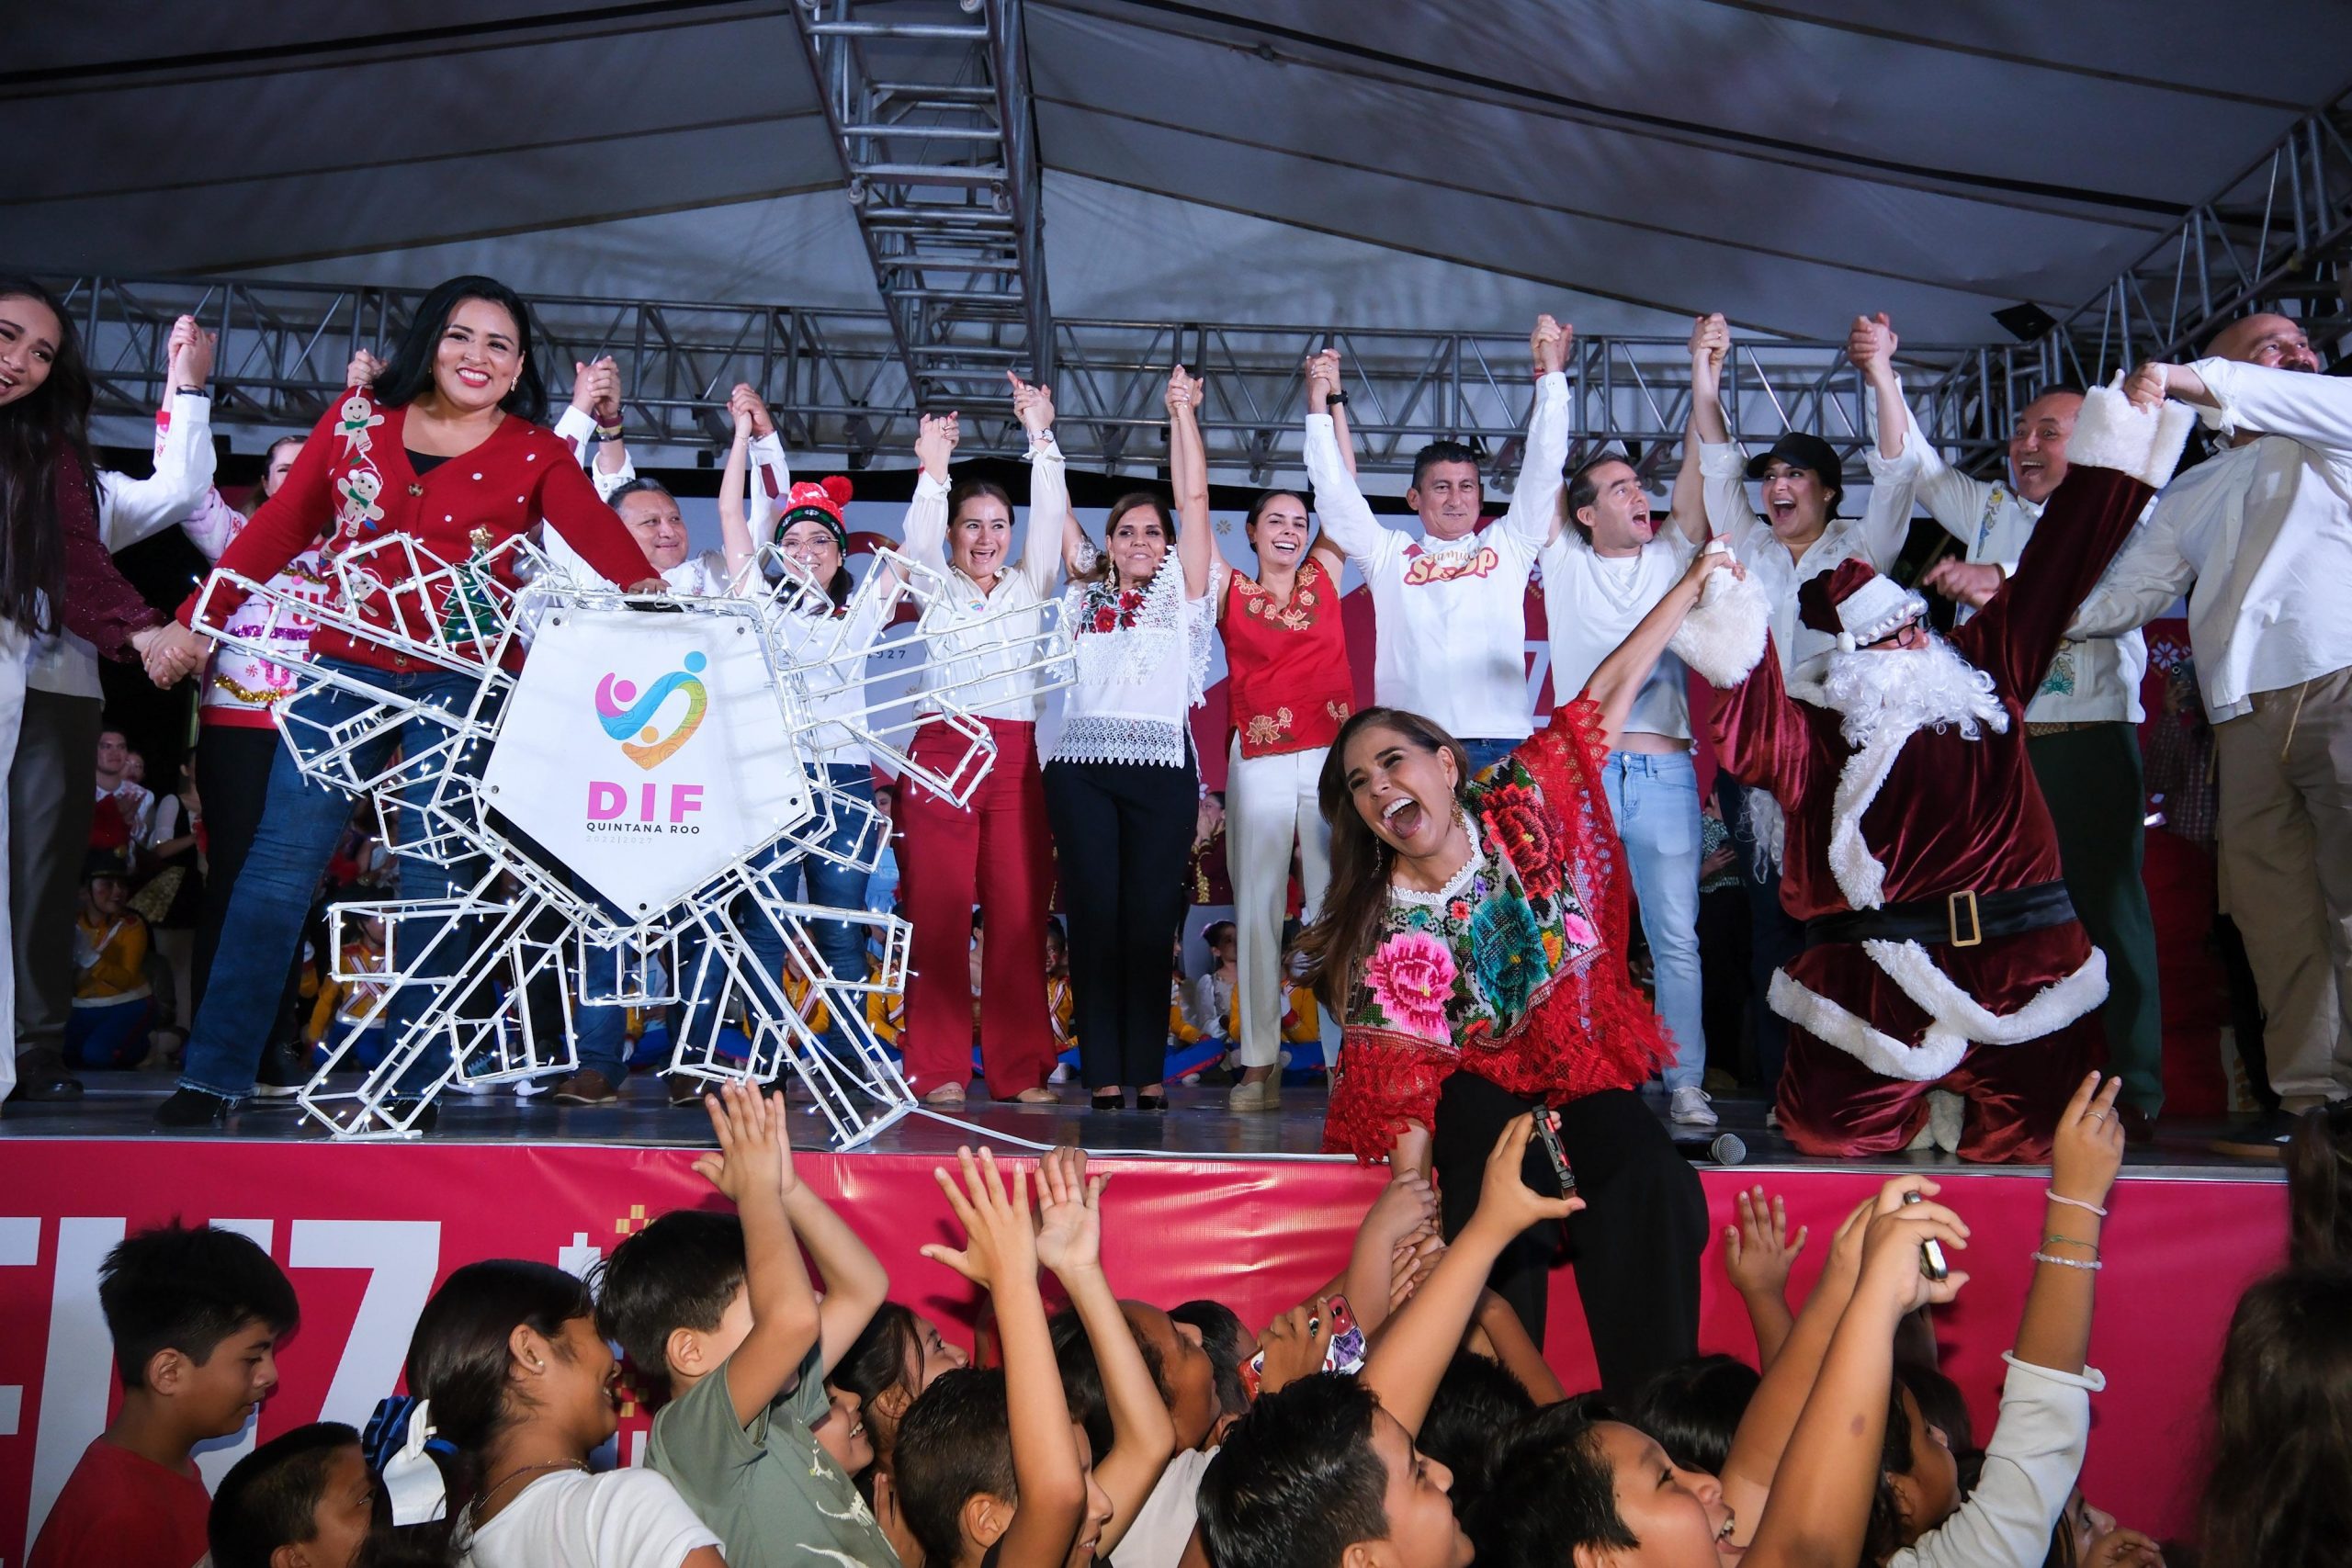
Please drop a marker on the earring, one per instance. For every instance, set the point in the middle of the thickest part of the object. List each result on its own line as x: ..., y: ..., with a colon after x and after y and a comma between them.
x: 538, y: 1365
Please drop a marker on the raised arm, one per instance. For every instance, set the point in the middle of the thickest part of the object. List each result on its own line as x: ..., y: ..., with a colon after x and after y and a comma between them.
x: 770, y: 474
x: 130, y: 510
x: 1404, y: 1204
x: 1535, y: 499
x: 1197, y: 546
x: 1339, y: 506
x: 751, y: 1167
x: 855, y: 1282
x: 1886, y: 520
x: 2086, y: 1156
x: 1055, y: 542
x: 1724, y: 475
x: 1069, y: 1242
x: 2153, y: 569
x: 999, y: 1255
x: 1335, y: 404
x: 2264, y: 400
x: 1687, y: 508
x: 924, y: 533
x: 734, y: 524
x: 1404, y: 1367
x: 1821, y: 1496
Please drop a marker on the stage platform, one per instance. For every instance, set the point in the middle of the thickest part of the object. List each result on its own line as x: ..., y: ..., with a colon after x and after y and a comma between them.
x: 1240, y: 1208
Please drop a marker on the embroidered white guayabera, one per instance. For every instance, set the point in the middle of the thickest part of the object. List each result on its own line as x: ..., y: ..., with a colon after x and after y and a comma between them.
x: 597, y: 855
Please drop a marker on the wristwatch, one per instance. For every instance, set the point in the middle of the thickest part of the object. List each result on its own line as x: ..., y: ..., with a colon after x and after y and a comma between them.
x: 1334, y: 399
x: 190, y: 392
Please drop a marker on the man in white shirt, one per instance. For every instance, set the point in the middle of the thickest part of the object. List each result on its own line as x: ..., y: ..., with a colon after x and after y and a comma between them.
x: 48, y: 815
x: 133, y: 806
x: 2263, y: 528
x: 1607, y: 565
x: 1798, y: 536
x: 2082, y: 727
x: 1451, y: 606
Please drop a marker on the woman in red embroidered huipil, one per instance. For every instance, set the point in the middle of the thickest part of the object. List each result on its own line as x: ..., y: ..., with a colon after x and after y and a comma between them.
x: 444, y: 451
x: 1288, y: 688
x: 1474, y: 945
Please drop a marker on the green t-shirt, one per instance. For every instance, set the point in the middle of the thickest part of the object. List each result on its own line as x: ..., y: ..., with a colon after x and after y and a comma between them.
x: 774, y: 1496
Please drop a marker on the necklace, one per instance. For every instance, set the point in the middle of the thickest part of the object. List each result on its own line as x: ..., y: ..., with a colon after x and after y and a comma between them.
x: 474, y: 1508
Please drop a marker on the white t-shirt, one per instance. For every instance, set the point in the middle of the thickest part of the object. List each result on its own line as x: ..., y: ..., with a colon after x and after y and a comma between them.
x: 1592, y: 602
x: 1163, y: 1526
x: 623, y: 1518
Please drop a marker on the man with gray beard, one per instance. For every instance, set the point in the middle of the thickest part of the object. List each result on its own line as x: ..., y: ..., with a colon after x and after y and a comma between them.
x: 1941, y: 951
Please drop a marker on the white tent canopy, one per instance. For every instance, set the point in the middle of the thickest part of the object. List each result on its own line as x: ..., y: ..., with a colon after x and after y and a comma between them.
x: 1371, y: 162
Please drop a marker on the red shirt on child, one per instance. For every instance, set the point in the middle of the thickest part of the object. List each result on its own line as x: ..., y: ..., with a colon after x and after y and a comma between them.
x: 119, y: 1510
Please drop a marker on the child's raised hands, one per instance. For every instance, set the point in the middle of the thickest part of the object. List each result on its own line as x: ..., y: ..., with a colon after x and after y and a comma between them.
x: 2088, y: 1152
x: 1506, y: 1206
x: 1892, y: 1266
x: 1757, y: 1253
x: 753, y: 1156
x: 1070, y: 1213
x: 999, y: 1237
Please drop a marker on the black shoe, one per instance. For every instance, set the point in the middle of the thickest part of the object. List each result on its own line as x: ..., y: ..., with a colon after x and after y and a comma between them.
x: 1108, y: 1099
x: 42, y: 1079
x: 1151, y: 1101
x: 285, y: 1070
x: 194, y: 1108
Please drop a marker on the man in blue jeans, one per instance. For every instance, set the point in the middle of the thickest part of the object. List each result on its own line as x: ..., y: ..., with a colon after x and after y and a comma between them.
x: 301, y: 822
x: 1603, y: 569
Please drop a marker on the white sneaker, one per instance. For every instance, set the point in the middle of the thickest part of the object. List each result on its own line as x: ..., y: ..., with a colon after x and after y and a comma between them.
x: 1689, y: 1107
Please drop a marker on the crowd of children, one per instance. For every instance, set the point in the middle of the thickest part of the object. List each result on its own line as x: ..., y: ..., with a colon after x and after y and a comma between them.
x: 804, y: 1417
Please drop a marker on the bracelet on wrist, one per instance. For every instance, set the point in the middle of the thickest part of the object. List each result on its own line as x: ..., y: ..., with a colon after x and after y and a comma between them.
x: 2054, y: 1240
x: 190, y: 392
x: 2094, y: 1265
x: 2055, y: 1197
x: 612, y: 435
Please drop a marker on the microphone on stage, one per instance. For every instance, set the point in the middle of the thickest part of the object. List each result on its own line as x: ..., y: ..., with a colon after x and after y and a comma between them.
x: 1724, y: 1148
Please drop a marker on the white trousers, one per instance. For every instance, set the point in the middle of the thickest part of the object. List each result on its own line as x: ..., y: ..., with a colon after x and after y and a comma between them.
x: 1269, y: 807
x: 13, y: 648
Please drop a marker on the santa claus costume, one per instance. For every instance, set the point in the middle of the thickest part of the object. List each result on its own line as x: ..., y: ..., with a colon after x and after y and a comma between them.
x: 1940, y: 950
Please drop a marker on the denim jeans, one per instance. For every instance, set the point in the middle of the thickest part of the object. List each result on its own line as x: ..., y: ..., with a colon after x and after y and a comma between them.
x: 841, y: 943
x: 1486, y: 752
x: 300, y: 821
x: 1654, y: 797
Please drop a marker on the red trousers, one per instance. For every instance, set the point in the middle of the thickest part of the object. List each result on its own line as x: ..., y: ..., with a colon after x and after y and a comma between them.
x: 995, y: 852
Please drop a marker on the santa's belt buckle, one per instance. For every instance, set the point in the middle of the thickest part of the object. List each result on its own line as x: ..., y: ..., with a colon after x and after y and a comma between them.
x: 1955, y: 906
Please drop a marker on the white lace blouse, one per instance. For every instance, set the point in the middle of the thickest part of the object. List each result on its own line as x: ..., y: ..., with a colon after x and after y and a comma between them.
x: 1143, y: 664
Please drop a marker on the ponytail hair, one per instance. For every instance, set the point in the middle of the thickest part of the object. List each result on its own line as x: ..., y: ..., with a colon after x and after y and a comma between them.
x: 459, y: 1357
x: 1341, y: 936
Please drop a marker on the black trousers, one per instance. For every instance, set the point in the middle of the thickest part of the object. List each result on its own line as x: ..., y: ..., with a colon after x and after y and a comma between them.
x: 50, y: 802
x: 1637, y: 1245
x: 232, y: 768
x: 1774, y: 936
x: 1123, y: 836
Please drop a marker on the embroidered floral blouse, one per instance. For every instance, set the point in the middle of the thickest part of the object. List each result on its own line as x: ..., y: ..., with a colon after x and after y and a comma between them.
x: 1516, y: 969
x: 1288, y: 682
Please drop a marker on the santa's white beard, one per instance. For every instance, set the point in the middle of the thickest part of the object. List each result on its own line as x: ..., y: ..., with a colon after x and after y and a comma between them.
x: 1885, y: 693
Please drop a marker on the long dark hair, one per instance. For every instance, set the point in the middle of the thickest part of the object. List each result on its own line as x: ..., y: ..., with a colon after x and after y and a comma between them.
x: 2319, y: 1189
x: 36, y: 431
x: 457, y: 1357
x: 2282, y: 1425
x: 1358, y: 894
x: 1101, y: 570
x: 409, y: 374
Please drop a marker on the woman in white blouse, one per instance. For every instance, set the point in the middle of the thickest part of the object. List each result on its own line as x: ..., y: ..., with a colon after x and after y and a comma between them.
x: 983, y: 651
x: 1123, y: 786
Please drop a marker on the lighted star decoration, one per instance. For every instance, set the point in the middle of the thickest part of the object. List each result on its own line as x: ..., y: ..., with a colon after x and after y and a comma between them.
x: 613, y: 842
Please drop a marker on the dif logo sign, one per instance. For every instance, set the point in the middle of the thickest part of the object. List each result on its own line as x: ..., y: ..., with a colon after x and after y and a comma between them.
x: 687, y: 759
x: 629, y: 719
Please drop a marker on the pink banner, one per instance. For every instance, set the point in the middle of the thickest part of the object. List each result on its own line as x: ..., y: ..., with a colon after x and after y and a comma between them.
x: 365, y: 1232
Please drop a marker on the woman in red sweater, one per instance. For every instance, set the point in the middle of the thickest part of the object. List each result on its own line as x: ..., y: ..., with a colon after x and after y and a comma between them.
x: 54, y: 569
x: 447, y: 444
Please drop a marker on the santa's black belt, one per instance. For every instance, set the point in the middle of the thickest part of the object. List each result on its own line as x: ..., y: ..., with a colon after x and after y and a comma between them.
x: 1962, y: 920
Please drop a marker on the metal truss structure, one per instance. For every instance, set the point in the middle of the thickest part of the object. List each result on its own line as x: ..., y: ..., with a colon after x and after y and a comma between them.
x: 928, y: 103
x: 498, y: 969
x: 934, y: 123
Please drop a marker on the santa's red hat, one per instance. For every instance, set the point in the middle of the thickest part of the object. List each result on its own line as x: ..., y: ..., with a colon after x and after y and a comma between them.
x: 822, y: 500
x: 1856, y: 604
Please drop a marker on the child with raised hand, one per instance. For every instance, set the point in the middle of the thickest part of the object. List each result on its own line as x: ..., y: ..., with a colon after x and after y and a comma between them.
x: 194, y: 1314
x: 2037, y: 1447
x: 1133, y: 1442
x: 721, y: 1309
x: 1758, y: 1256
x: 987, y: 1466
x: 1324, y: 1469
